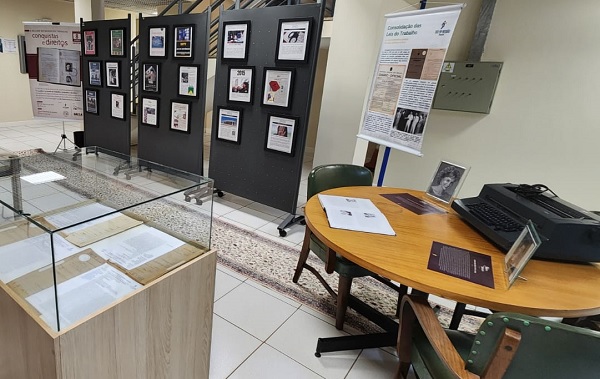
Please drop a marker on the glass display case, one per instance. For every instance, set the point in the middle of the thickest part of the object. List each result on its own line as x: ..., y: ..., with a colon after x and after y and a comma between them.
x: 83, y: 232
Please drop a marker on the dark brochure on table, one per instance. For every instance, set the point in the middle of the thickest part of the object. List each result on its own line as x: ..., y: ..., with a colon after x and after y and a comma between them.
x: 460, y: 263
x: 413, y: 203
x: 354, y: 213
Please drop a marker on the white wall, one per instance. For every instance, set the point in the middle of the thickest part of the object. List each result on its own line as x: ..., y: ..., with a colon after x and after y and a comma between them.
x: 544, y: 122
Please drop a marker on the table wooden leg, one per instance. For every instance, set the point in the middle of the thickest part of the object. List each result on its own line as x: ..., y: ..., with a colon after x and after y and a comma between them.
x: 303, y: 255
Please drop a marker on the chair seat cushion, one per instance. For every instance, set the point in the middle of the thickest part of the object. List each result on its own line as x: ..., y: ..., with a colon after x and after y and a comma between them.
x: 343, y: 266
x: 426, y: 362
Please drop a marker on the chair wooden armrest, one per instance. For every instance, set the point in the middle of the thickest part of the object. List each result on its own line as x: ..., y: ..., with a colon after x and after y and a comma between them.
x: 416, y: 308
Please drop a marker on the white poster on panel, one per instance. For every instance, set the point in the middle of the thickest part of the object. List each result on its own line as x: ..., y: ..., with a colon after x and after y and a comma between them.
x: 53, y: 62
x: 410, y: 60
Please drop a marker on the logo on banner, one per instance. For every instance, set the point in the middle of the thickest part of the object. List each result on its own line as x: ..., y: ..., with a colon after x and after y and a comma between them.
x: 441, y: 31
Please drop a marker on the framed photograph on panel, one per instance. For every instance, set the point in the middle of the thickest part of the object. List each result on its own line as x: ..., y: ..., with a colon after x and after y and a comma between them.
x: 277, y: 87
x: 183, y: 41
x: 229, y: 124
x: 113, y: 75
x: 117, y: 105
x: 89, y: 42
x: 446, y: 181
x: 91, y: 101
x: 95, y: 73
x: 235, y: 42
x: 180, y: 116
x: 280, y: 134
x: 293, y: 40
x: 117, y: 42
x: 149, y: 110
x: 151, y: 71
x: 158, y: 41
x: 240, y: 81
x: 188, y: 80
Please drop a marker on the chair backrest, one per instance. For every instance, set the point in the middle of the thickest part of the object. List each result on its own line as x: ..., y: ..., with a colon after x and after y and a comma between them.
x: 547, y: 349
x: 329, y: 176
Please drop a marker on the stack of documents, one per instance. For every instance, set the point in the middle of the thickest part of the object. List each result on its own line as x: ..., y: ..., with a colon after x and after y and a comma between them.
x: 357, y: 214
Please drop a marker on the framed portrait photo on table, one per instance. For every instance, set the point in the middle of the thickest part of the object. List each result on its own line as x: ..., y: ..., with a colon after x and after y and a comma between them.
x: 446, y: 181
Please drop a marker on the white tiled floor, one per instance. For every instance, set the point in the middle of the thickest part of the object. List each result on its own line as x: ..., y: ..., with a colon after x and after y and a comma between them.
x: 257, y: 333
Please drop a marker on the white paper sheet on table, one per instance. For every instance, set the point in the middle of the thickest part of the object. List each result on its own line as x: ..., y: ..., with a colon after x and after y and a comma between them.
x: 356, y: 214
x: 42, y: 177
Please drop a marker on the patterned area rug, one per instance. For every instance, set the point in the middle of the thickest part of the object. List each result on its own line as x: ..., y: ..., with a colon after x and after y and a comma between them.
x: 264, y: 260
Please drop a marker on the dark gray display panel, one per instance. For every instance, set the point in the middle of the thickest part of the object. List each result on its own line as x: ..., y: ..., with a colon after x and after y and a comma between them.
x: 171, y: 109
x: 106, y: 99
x: 258, y: 164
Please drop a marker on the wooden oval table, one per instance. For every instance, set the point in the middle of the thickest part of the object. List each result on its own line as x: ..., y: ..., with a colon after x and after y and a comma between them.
x: 548, y: 288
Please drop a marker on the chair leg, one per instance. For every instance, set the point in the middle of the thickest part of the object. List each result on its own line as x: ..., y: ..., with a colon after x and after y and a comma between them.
x: 303, y: 255
x: 342, y: 301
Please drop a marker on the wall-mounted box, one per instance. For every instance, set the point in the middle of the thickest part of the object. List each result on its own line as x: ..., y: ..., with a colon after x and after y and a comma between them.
x: 467, y: 86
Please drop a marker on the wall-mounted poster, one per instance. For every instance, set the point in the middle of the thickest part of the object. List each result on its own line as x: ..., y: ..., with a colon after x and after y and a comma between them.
x: 240, y: 84
x: 188, y: 80
x: 117, y: 42
x: 235, y: 40
x: 112, y: 74
x: 280, y: 134
x: 229, y: 124
x: 95, y: 73
x: 183, y: 41
x: 150, y: 71
x: 180, y: 116
x: 158, y: 41
x: 117, y: 105
x: 277, y: 87
x: 89, y: 45
x: 150, y: 111
x: 293, y: 40
x: 91, y: 101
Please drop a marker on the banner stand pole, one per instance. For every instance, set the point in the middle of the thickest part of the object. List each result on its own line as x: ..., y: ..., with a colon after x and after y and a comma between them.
x: 63, y: 140
x: 386, y: 154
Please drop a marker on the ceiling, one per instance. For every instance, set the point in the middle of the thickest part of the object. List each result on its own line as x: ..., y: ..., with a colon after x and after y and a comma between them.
x: 143, y: 6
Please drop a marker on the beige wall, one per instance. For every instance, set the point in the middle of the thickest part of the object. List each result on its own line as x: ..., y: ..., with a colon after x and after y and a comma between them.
x: 15, y: 103
x: 543, y: 126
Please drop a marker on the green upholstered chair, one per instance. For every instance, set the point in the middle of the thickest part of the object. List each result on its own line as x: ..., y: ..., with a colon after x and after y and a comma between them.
x: 322, y: 178
x: 507, y: 345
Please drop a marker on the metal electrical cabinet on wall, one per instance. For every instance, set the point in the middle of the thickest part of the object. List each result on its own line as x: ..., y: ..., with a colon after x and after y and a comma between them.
x: 467, y: 86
